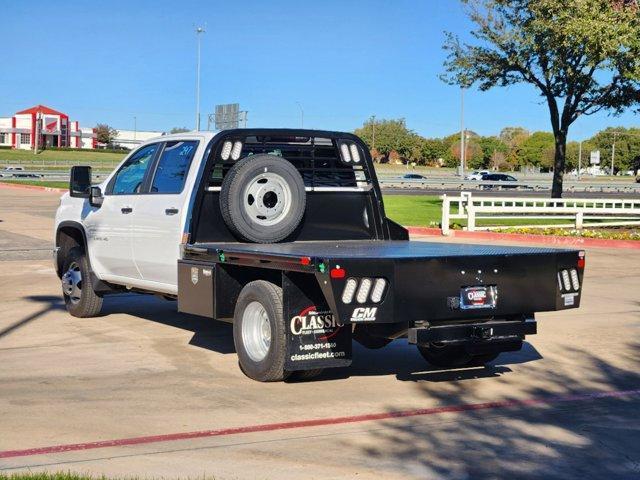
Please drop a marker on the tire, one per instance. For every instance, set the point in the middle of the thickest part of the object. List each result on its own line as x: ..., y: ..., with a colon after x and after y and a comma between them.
x: 454, y: 356
x: 259, y: 306
x: 262, y: 199
x: 79, y: 297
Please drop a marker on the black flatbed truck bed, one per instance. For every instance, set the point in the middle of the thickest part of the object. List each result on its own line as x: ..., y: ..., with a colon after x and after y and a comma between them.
x: 347, y: 271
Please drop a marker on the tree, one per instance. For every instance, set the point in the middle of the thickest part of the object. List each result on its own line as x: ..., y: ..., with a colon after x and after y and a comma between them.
x: 105, y: 134
x: 583, y: 56
x: 537, y: 150
x: 390, y: 136
x: 179, y: 130
x: 627, y: 143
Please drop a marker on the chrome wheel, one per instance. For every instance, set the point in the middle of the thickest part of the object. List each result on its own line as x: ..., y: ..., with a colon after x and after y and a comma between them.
x: 72, y: 283
x: 267, y: 199
x: 256, y: 331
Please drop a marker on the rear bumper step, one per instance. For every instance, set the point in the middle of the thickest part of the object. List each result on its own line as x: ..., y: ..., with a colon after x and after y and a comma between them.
x: 492, y: 331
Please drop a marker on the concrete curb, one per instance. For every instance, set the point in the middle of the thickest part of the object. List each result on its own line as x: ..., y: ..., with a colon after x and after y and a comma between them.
x: 531, y: 238
x: 32, y: 187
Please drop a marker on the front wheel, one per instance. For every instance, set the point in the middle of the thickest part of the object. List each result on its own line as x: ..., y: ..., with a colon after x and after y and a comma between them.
x: 79, y: 297
x: 453, y: 356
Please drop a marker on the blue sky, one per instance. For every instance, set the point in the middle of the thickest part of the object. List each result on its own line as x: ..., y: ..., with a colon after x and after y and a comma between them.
x: 342, y: 60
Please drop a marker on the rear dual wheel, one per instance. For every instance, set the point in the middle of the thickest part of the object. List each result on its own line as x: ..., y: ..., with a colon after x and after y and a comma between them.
x: 259, y: 334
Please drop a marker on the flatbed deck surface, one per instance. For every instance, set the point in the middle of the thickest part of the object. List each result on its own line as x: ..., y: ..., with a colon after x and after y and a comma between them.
x: 373, y: 249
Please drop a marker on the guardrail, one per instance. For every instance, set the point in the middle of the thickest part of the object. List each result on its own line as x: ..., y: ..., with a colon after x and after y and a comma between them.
x: 585, y: 212
x: 569, y: 186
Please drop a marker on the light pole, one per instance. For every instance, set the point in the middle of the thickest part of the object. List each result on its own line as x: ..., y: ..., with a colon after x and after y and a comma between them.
x: 579, y: 159
x: 613, y: 151
x: 301, y: 114
x: 135, y: 126
x: 199, y: 31
x: 462, y: 132
x: 373, y: 132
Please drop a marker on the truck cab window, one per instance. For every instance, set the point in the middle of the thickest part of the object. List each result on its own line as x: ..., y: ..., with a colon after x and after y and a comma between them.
x: 173, y: 167
x: 130, y: 177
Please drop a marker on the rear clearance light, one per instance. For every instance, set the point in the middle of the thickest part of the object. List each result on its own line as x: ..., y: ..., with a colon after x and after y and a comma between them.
x: 226, y: 150
x: 349, y: 290
x: 581, y: 260
x: 378, y: 290
x: 338, y: 272
x: 355, y: 155
x: 236, y: 151
x: 568, y: 280
x: 346, y: 155
x: 364, y: 290
x: 575, y: 281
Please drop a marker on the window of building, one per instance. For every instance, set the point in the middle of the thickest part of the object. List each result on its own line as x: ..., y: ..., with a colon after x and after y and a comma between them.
x: 25, y: 138
x: 173, y: 167
x: 3, y: 138
x: 129, y: 178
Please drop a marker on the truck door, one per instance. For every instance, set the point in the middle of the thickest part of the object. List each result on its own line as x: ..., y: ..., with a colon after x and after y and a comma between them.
x: 159, y: 216
x: 109, y: 227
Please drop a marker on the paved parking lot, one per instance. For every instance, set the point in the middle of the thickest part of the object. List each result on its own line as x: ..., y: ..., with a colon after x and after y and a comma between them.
x: 566, y: 406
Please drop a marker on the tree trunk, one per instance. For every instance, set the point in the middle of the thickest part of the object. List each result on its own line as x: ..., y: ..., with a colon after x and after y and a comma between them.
x: 558, y: 163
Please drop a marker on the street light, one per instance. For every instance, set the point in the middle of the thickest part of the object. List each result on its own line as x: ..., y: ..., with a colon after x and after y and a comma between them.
x: 199, y: 31
x: 462, y: 133
x: 301, y: 114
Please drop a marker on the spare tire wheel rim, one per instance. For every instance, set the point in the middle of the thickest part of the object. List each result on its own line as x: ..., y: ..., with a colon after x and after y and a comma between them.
x: 267, y: 199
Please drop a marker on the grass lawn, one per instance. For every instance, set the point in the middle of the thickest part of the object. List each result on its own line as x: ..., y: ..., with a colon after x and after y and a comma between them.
x: 59, y: 159
x: 40, y: 183
x: 426, y: 211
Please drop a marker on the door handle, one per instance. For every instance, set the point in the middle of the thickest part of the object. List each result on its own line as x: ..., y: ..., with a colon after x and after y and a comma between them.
x: 126, y: 210
x: 171, y: 211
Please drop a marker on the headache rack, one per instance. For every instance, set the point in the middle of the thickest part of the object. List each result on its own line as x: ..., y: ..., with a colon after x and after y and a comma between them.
x: 318, y: 159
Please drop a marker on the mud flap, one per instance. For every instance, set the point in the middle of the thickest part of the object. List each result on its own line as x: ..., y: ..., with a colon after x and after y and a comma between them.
x: 314, y: 338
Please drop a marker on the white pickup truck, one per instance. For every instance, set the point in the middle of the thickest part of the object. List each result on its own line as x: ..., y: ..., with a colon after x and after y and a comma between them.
x: 283, y: 233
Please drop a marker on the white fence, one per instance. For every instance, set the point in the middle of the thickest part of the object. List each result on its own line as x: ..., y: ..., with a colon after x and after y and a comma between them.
x: 583, y: 212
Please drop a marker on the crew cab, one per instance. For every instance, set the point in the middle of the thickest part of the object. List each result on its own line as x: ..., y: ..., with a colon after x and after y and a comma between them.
x: 283, y: 233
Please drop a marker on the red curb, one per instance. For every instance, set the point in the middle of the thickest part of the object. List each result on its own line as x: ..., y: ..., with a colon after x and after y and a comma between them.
x: 32, y: 187
x: 531, y: 238
x: 317, y: 423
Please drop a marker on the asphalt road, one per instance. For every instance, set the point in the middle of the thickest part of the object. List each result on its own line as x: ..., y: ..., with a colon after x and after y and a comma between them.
x: 566, y: 406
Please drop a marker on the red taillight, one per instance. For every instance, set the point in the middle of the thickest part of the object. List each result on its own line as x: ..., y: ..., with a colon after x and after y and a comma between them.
x: 338, y: 272
x: 581, y: 261
x: 305, y: 261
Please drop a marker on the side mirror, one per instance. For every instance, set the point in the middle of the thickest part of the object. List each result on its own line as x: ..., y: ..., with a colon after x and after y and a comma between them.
x: 80, y: 182
x: 95, y: 197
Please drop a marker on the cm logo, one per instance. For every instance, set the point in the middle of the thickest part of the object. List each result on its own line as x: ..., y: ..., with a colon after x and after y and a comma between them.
x: 364, y: 314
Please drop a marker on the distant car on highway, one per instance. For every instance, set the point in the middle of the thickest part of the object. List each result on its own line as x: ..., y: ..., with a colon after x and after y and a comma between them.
x: 414, y: 176
x: 13, y: 169
x: 477, y: 175
x: 499, y: 177
x: 26, y: 175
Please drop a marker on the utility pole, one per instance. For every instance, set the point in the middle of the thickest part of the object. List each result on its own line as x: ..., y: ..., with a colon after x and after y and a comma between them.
x: 301, y: 114
x: 613, y: 151
x: 462, y: 132
x: 373, y: 132
x: 579, y: 159
x: 199, y: 31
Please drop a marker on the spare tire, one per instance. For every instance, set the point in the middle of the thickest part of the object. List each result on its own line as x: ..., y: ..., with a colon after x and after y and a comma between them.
x: 262, y: 199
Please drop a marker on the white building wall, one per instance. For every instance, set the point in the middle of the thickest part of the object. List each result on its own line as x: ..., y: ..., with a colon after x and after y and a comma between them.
x: 5, y: 135
x: 23, y: 140
x: 131, y: 139
x: 86, y: 141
